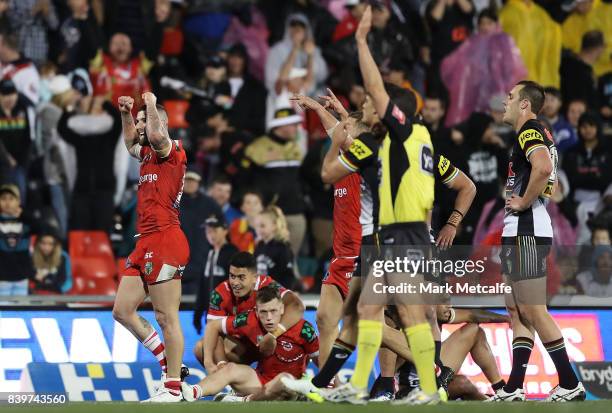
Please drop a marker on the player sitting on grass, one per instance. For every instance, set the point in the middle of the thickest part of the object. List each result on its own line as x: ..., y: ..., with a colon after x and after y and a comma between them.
x: 294, y: 349
x: 237, y: 295
x: 468, y: 339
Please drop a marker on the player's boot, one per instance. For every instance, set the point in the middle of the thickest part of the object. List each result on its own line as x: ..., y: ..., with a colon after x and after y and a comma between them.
x: 347, y: 393
x: 418, y: 397
x: 383, y: 396
x: 230, y: 398
x: 501, y: 395
x: 163, y: 395
x: 304, y: 387
x: 559, y: 394
x: 190, y: 393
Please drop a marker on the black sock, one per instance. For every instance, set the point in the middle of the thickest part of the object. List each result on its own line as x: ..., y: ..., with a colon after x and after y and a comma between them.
x: 383, y: 384
x: 341, y: 351
x: 558, y: 353
x: 498, y: 385
x: 437, y: 359
x: 521, y: 351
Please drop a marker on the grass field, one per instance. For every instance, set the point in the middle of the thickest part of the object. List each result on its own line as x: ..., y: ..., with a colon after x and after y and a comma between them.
x: 288, y: 407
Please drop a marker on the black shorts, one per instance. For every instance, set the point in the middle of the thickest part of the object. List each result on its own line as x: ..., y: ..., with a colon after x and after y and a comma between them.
x: 410, y: 239
x: 524, y: 257
x: 370, y: 250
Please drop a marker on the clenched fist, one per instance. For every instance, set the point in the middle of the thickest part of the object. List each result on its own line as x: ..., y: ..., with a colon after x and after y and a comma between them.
x: 149, y: 99
x: 126, y: 104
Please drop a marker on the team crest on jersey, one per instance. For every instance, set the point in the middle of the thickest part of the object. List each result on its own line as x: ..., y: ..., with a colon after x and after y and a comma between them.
x: 443, y: 165
x: 308, y: 332
x: 287, y: 346
x: 240, y: 320
x: 215, y: 300
x: 529, y: 135
x: 399, y: 115
x: 359, y: 149
x: 148, y: 268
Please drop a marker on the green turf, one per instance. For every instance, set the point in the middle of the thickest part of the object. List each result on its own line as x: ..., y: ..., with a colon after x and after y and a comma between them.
x: 284, y: 407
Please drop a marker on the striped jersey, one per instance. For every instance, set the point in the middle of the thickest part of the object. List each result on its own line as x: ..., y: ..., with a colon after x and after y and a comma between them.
x: 534, y: 221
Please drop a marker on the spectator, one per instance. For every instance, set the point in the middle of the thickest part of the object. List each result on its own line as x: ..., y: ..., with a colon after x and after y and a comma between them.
x: 93, y: 128
x: 19, y: 69
x: 80, y: 37
x: 216, y: 268
x: 450, y: 22
x: 595, y: 282
x: 434, y: 110
x: 221, y: 191
x: 118, y: 73
x: 52, y: 265
x: 537, y: 36
x: 195, y: 207
x: 348, y: 25
x: 15, y: 139
x: 298, y: 41
x: 496, y: 111
x: 15, y: 232
x: 398, y: 74
x: 242, y: 230
x: 605, y: 100
x: 600, y: 235
x: 563, y: 132
x: 488, y: 63
x: 273, y: 164
x: 273, y: 252
x: 33, y: 19
x: 59, y: 158
x: 575, y: 109
x: 586, y: 165
x: 320, y: 196
x: 577, y: 77
x: 218, y: 90
x: 248, y: 93
x: 589, y: 15
x: 387, y: 39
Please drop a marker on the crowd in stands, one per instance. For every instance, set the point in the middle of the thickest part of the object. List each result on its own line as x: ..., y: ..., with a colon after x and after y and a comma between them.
x: 226, y: 70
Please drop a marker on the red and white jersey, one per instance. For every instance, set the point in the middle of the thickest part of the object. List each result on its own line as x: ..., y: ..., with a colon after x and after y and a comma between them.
x: 160, y: 188
x: 351, y: 220
x: 224, y: 303
x: 294, y: 348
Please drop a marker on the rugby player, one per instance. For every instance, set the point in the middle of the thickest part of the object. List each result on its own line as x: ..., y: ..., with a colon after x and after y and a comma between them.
x: 295, y: 348
x: 237, y: 295
x: 156, y: 265
x: 526, y: 242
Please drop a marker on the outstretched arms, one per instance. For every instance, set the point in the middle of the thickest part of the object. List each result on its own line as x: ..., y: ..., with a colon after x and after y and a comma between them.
x: 157, y: 130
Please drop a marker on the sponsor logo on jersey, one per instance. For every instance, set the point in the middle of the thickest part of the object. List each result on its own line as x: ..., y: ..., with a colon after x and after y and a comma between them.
x: 340, y: 192
x: 360, y: 150
x: 240, y: 320
x: 215, y: 300
x: 399, y: 115
x: 308, y: 332
x: 529, y: 135
x: 443, y: 165
x: 147, y: 178
x: 148, y: 268
x: 427, y: 161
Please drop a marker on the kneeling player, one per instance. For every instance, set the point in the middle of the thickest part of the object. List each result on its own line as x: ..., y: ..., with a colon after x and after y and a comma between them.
x: 291, y: 355
x: 235, y: 296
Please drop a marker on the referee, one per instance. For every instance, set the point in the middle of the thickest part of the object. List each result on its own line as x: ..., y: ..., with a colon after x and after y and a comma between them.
x: 407, y: 172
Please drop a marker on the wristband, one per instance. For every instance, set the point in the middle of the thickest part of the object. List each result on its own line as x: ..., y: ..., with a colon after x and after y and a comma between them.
x: 459, y: 212
x: 451, y: 224
x: 331, y: 130
x: 280, y: 330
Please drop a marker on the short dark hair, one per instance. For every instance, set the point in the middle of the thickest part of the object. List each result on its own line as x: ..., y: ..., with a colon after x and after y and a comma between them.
x: 553, y: 91
x: 588, y: 118
x: 592, y: 40
x: 251, y: 191
x: 488, y: 13
x: 534, y: 93
x: 403, y: 98
x: 436, y: 96
x: 244, y: 259
x: 221, y: 179
x: 267, y: 294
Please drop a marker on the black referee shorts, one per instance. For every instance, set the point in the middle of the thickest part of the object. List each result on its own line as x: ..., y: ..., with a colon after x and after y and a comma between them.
x: 370, y: 250
x: 524, y: 257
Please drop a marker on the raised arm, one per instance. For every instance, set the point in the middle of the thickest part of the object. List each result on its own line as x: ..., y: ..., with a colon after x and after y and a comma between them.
x: 130, y: 134
x: 327, y: 119
x: 332, y: 169
x: 157, y: 130
x: 372, y: 79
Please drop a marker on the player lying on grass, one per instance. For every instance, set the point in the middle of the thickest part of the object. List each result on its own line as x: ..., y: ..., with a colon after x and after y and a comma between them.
x: 294, y: 349
x: 468, y: 339
x: 235, y: 296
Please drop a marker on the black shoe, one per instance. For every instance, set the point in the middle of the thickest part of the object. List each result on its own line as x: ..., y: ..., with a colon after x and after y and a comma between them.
x: 445, y: 377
